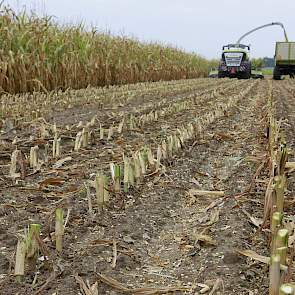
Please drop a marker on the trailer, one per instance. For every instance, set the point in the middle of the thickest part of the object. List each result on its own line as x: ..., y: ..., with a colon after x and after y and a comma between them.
x: 284, y: 60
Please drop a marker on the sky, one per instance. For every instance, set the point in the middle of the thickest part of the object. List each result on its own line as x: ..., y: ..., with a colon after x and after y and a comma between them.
x: 200, y: 26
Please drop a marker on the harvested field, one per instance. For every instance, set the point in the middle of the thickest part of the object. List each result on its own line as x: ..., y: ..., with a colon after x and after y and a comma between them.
x: 162, y: 186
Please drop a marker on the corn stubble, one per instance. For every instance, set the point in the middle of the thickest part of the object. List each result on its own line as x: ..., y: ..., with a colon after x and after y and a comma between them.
x: 27, y: 250
x: 20, y: 257
x: 59, y: 229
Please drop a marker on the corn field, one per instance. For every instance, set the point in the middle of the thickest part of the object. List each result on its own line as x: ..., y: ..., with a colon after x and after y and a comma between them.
x: 37, y: 54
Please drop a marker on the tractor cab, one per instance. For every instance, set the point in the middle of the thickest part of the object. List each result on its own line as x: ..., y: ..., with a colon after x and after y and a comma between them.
x: 233, y: 55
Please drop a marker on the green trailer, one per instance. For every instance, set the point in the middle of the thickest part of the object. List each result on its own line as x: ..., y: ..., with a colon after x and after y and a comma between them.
x: 284, y: 60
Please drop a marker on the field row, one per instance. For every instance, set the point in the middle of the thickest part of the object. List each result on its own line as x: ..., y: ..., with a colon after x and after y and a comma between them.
x: 121, y: 137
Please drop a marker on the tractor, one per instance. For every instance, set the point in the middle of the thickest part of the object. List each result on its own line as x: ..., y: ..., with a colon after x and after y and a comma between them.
x: 235, y: 62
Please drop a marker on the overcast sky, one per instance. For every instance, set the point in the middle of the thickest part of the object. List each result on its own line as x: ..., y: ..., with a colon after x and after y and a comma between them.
x: 202, y: 26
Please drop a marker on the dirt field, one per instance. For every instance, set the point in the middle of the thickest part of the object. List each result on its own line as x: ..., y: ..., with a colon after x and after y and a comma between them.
x: 163, y: 232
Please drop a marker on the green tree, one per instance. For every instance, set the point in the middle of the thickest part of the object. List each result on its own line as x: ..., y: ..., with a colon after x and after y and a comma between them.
x: 257, y: 63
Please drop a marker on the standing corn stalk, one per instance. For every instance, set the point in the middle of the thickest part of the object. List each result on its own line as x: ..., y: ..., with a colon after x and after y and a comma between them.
x: 99, y: 59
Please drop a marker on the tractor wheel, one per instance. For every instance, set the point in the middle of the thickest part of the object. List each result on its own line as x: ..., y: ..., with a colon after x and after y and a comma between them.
x: 245, y: 75
x: 221, y: 75
x: 277, y: 74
